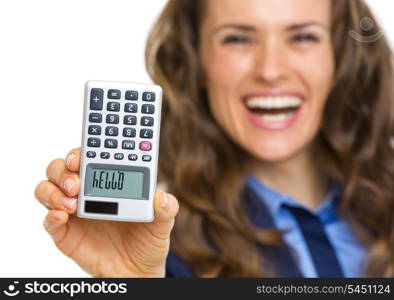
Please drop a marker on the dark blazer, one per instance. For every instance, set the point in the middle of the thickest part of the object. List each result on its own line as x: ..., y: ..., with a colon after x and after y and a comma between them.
x: 260, y: 216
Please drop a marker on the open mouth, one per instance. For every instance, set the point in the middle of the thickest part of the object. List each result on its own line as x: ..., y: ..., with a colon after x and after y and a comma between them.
x: 274, y: 108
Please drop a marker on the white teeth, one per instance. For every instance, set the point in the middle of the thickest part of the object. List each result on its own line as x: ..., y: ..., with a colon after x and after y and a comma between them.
x: 273, y: 102
x: 275, y: 117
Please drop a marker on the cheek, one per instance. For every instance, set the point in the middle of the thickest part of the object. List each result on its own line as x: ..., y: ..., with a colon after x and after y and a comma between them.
x: 225, y: 70
x: 316, y: 71
x: 225, y: 75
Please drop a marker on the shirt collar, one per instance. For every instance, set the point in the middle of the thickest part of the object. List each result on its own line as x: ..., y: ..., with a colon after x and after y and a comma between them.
x: 274, y: 199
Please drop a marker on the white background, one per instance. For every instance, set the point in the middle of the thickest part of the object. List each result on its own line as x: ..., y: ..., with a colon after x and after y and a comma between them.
x: 48, y: 49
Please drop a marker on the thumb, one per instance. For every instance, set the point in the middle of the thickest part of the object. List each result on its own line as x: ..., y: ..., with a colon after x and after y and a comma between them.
x: 166, y: 207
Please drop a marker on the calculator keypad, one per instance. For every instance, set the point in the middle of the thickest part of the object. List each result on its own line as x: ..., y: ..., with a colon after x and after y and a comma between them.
x: 121, y: 124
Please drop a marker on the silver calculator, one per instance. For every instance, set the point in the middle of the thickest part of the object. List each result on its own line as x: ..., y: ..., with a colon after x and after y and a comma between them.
x: 119, y: 151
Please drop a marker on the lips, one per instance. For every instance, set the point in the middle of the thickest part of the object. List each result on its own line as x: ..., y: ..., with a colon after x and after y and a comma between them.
x: 275, y: 109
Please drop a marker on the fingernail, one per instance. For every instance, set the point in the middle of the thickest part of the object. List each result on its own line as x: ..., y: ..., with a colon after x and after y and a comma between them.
x: 69, y: 202
x: 69, y: 184
x: 164, y: 201
x: 69, y: 158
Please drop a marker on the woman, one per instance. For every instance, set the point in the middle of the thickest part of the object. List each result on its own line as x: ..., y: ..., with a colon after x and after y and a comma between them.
x: 276, y: 129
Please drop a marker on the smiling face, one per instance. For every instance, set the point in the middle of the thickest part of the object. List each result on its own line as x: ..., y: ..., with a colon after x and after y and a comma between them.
x: 268, y: 68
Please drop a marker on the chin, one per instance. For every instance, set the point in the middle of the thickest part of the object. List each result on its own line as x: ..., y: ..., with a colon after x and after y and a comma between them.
x: 274, y: 154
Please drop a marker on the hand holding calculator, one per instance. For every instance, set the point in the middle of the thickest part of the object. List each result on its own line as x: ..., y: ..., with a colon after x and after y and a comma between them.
x: 119, y: 153
x: 121, y: 181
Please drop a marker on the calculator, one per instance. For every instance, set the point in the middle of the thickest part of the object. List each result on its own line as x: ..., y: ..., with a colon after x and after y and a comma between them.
x: 119, y: 151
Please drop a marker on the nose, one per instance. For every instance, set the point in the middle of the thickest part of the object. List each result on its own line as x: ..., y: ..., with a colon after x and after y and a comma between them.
x: 271, y: 64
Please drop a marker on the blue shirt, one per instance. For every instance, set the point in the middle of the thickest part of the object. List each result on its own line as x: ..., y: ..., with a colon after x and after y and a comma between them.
x: 349, y: 251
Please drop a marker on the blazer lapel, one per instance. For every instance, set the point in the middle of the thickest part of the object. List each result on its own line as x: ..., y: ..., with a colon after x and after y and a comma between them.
x: 260, y: 216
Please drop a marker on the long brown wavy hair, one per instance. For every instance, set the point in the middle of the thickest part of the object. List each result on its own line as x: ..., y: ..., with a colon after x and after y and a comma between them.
x: 206, y: 170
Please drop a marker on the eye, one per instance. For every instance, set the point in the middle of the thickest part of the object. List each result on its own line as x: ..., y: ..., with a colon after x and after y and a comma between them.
x: 305, y: 37
x: 236, y: 39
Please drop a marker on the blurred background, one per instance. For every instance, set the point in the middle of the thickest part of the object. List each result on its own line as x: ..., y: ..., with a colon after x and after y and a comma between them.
x: 48, y: 49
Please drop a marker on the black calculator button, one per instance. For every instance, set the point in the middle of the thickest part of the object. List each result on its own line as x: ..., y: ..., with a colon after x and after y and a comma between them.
x: 146, y: 157
x: 113, y: 106
x: 91, y: 154
x: 94, y: 142
x: 94, y: 130
x: 130, y: 120
x: 112, y: 119
x: 130, y: 145
x: 128, y: 132
x: 148, y: 109
x: 96, y: 99
x: 113, y: 94
x: 95, y: 117
x: 131, y: 95
x: 146, y: 121
x: 110, y: 143
x: 146, y: 133
x: 118, y: 156
x: 104, y: 155
x: 133, y: 157
x: 111, y: 131
x: 130, y: 107
x: 148, y: 96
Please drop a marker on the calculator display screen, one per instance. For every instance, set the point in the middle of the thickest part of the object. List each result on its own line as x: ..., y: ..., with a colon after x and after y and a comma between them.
x: 116, y: 183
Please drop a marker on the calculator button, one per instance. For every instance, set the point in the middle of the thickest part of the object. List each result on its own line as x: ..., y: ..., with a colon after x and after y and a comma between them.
x: 148, y: 96
x: 104, y: 155
x: 93, y: 142
x: 126, y: 144
x: 95, y: 117
x: 113, y: 94
x: 146, y: 157
x: 131, y: 95
x: 96, y: 99
x: 130, y: 107
x: 91, y: 154
x: 146, y: 121
x: 145, y: 146
x: 148, y: 109
x: 111, y: 131
x: 133, y: 157
x: 110, y: 143
x: 94, y: 130
x: 146, y: 133
x: 128, y: 132
x: 118, y: 156
x: 112, y: 119
x: 113, y: 106
x: 130, y: 120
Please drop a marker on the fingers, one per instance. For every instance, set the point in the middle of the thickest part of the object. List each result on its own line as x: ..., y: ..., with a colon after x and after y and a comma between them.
x: 166, y: 207
x: 58, y: 174
x: 72, y: 159
x: 49, y: 195
x: 55, y: 223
